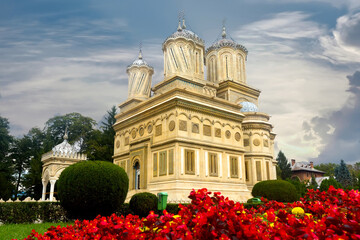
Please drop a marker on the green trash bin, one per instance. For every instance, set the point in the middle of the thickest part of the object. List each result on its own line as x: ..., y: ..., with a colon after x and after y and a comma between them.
x: 162, y: 200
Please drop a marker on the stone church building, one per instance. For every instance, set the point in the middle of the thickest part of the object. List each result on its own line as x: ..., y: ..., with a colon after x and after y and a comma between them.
x: 189, y: 132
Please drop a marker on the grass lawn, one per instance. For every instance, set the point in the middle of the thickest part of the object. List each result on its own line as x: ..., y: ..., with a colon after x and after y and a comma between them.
x: 20, y: 231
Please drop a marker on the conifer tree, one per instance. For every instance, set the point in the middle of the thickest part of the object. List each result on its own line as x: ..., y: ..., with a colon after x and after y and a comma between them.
x: 284, y: 166
x: 342, y: 174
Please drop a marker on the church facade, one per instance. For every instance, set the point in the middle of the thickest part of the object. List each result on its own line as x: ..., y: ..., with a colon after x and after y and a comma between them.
x: 189, y: 132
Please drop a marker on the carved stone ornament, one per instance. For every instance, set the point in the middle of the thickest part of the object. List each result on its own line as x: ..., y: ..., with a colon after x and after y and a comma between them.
x: 246, y: 142
x: 117, y: 144
x: 237, y: 136
x: 195, y: 128
x: 256, y: 142
x: 266, y: 143
x: 150, y: 128
x: 141, y: 131
x: 158, y: 130
x: 133, y: 134
x: 172, y: 125
x: 207, y: 130
x: 183, y: 125
x: 126, y: 141
x: 218, y: 132
x: 228, y: 134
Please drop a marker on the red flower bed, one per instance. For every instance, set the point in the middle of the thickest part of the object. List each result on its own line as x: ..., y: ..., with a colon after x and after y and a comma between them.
x: 319, y: 215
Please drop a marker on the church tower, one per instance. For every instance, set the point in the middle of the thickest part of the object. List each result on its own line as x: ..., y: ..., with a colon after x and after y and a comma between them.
x: 226, y: 60
x: 140, y: 76
x: 184, y: 54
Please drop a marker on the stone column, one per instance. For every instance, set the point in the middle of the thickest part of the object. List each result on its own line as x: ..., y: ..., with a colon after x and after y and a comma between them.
x: 52, y: 187
x: 44, y: 183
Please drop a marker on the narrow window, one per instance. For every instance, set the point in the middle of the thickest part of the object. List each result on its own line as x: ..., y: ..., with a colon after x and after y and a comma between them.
x: 155, y: 161
x: 184, y: 57
x: 190, y: 162
x: 213, y: 164
x: 171, y: 161
x: 258, y: 170
x: 234, y: 166
x: 226, y: 66
x: 137, y: 175
x: 140, y: 82
x: 267, y: 171
x: 173, y: 56
x: 162, y: 163
x: 247, y: 171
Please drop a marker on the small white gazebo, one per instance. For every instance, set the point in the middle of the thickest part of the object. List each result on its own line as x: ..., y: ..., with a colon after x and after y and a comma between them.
x: 55, y: 161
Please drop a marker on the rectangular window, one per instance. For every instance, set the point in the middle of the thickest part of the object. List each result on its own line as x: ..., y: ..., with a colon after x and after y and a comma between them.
x: 247, y: 171
x: 171, y: 161
x: 162, y: 163
x: 213, y: 164
x: 267, y: 171
x: 190, y: 162
x: 258, y: 170
x: 234, y: 166
x: 155, y: 165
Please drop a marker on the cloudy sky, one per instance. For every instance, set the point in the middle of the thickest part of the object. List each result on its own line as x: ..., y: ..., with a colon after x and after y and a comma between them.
x: 58, y: 57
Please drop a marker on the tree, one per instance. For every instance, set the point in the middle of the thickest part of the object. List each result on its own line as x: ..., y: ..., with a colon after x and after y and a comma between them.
x: 342, y: 174
x: 313, y: 183
x: 79, y: 128
x: 32, y: 180
x: 6, y: 170
x: 21, y: 156
x: 328, y: 168
x: 284, y: 166
x: 101, y: 143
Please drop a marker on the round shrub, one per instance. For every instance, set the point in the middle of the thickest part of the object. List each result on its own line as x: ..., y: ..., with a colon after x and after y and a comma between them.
x: 142, y: 203
x: 326, y: 183
x: 89, y: 188
x: 279, y: 190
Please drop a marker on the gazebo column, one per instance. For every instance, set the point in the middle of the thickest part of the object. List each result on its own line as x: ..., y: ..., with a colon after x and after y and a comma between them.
x: 44, y: 183
x: 52, y: 188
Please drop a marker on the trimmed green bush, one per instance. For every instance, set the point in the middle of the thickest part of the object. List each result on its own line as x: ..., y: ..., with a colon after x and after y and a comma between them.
x: 326, y: 183
x: 142, y: 203
x: 300, y: 187
x: 89, y: 188
x: 29, y: 212
x: 279, y: 190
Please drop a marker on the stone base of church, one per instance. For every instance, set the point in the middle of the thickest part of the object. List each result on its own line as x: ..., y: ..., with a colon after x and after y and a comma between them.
x: 179, y: 190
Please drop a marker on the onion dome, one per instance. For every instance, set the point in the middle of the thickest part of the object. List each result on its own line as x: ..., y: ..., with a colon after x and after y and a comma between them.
x: 226, y: 42
x: 65, y: 147
x: 139, y: 62
x: 248, y: 107
x: 182, y: 32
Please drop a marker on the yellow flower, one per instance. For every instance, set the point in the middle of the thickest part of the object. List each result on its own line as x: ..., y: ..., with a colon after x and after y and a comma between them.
x: 298, y: 211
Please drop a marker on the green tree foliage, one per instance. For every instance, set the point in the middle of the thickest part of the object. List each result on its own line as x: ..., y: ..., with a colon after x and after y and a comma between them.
x: 284, y: 166
x: 142, y: 203
x: 32, y: 180
x: 342, y: 174
x: 101, y: 143
x: 326, y: 183
x: 21, y: 156
x: 79, y: 128
x: 313, y: 183
x: 278, y: 190
x: 328, y: 168
x: 300, y: 186
x: 89, y: 188
x: 6, y: 170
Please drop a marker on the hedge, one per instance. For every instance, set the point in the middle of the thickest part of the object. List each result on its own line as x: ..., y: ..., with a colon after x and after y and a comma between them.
x: 29, y: 212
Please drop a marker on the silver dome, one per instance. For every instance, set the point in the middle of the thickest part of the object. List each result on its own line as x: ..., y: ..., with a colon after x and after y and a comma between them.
x: 248, y: 107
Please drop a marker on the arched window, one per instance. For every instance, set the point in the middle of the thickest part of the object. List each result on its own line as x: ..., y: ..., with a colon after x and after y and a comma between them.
x: 137, y: 175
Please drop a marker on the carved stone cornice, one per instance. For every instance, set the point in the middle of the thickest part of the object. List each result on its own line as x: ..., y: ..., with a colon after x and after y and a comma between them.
x: 239, y: 87
x: 263, y: 126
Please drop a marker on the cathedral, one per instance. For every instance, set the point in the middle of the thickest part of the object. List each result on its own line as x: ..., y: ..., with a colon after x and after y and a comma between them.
x: 190, y: 131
